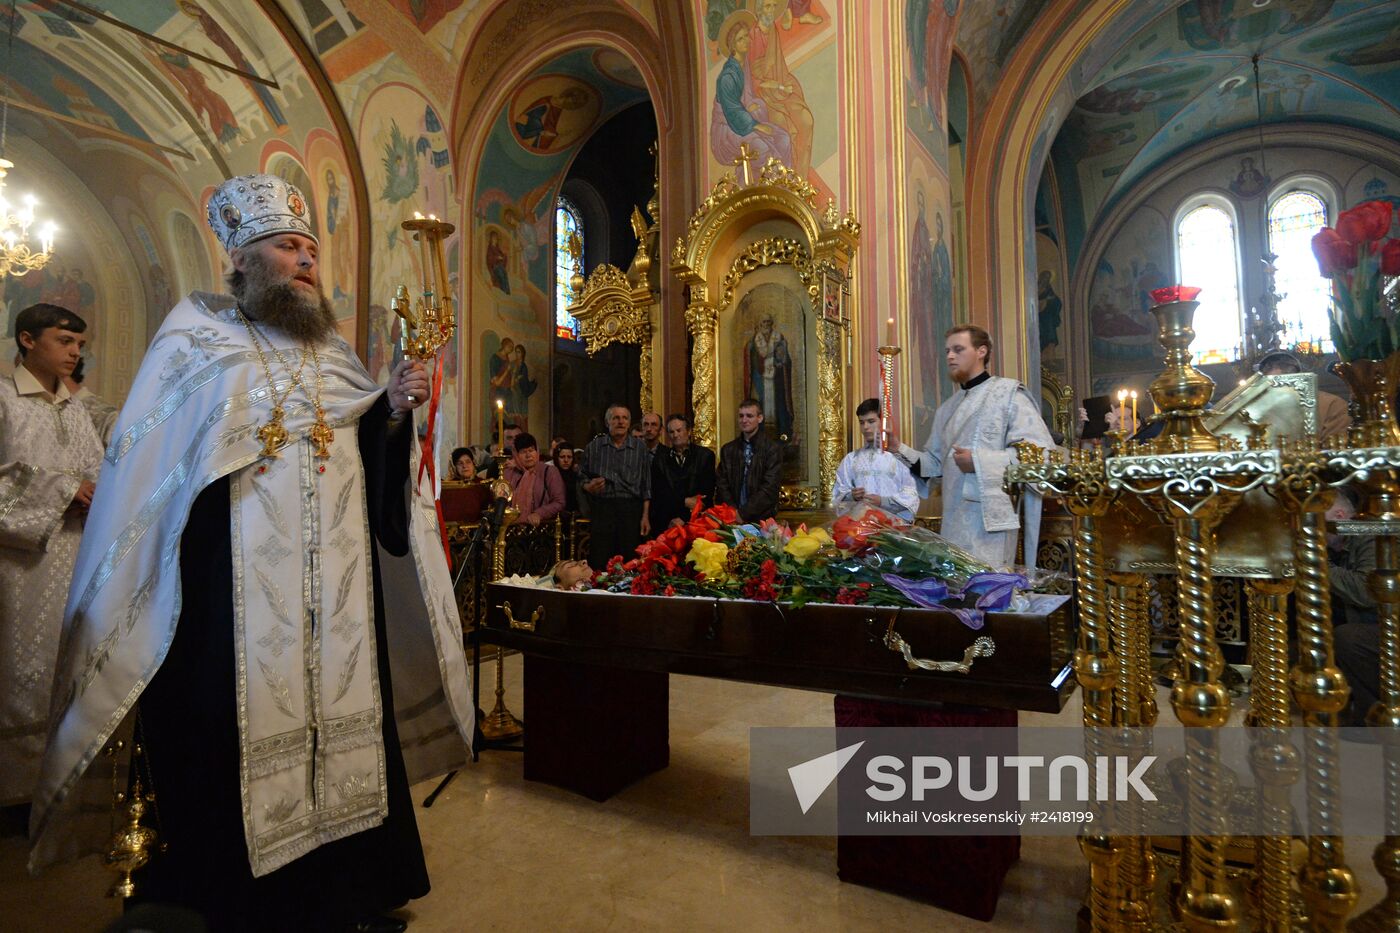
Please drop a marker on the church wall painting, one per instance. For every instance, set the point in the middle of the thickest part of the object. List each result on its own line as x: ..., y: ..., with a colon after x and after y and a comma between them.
x: 929, y: 299
x: 772, y: 73
x: 335, y: 222
x: 546, y: 118
x: 407, y: 169
x: 1123, y: 335
x: 928, y: 34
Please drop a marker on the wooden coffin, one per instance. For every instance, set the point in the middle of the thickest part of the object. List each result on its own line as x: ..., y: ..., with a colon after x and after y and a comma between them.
x: 837, y: 649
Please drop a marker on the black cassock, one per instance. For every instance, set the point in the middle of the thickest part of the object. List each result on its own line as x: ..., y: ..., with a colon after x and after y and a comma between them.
x: 189, y: 720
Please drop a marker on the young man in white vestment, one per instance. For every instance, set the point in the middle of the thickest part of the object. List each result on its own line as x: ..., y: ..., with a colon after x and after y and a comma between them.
x: 870, y: 475
x: 254, y: 520
x: 970, y: 449
x: 49, y: 456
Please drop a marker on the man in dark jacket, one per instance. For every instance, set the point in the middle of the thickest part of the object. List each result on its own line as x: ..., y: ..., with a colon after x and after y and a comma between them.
x: 679, y: 473
x: 749, y: 466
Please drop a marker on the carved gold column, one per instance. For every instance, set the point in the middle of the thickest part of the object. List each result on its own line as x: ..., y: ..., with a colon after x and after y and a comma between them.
x: 1202, y: 704
x: 1328, y: 887
x: 1385, y: 586
x: 1273, y: 758
x: 647, y: 401
x: 831, y: 422
x: 1137, y: 868
x: 702, y: 322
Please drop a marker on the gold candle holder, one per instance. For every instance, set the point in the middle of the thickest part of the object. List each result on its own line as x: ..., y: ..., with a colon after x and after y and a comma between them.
x: 887, y: 355
x: 501, y: 724
x: 1181, y: 392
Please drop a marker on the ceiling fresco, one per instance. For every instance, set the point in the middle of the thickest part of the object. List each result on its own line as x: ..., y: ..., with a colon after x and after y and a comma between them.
x: 208, y: 73
x: 988, y: 32
x: 1188, y: 76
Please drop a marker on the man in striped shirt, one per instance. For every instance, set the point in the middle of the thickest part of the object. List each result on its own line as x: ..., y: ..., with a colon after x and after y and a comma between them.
x: 616, y: 474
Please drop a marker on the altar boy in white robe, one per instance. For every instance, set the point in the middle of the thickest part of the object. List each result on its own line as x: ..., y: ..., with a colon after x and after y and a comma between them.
x: 869, y: 475
x: 970, y: 448
x: 49, y: 458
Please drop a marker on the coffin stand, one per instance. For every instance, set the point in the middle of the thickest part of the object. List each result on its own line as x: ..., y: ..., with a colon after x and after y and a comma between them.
x: 597, y: 694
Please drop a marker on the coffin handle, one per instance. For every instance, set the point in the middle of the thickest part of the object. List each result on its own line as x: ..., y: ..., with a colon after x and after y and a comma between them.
x: 528, y: 624
x: 981, y: 647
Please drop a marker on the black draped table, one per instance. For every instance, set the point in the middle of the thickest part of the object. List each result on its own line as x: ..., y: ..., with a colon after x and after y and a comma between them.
x: 597, y: 669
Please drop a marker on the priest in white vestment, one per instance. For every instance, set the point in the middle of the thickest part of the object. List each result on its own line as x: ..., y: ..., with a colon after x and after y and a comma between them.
x: 256, y: 519
x: 49, y: 457
x: 870, y: 475
x: 970, y: 449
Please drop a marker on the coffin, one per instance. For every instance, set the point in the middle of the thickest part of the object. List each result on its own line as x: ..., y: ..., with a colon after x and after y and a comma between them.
x: 837, y: 649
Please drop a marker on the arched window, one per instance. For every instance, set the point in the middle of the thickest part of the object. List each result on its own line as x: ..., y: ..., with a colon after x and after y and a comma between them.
x: 1293, y: 219
x: 568, y: 223
x: 1207, y: 251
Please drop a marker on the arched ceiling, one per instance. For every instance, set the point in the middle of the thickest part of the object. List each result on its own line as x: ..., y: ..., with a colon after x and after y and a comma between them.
x: 988, y: 32
x: 1188, y: 76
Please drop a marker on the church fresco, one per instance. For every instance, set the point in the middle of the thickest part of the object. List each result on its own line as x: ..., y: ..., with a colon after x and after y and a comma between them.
x: 930, y: 288
x: 1187, y: 75
x: 987, y: 34
x: 928, y: 34
x: 772, y: 85
x: 407, y: 169
x: 550, y: 114
x: 335, y: 221
x: 1123, y: 335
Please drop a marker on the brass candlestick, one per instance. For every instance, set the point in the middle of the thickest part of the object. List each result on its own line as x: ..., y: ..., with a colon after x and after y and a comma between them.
x: 887, y: 355
x: 434, y: 323
x: 1182, y: 391
x: 500, y: 724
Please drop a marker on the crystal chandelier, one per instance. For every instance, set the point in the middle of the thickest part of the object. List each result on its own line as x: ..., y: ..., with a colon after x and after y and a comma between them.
x: 17, y: 255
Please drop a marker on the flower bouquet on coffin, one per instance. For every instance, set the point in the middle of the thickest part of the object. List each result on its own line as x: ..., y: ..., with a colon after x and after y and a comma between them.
x: 866, y: 558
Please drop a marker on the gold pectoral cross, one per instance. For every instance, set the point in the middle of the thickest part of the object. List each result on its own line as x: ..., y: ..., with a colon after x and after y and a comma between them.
x: 273, y: 434
x: 322, y: 435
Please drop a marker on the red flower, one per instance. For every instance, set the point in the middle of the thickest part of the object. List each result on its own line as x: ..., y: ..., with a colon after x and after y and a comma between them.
x: 1334, y: 254
x: 1390, y: 257
x: 726, y: 514
x: 615, y: 564
x: 669, y: 591
x: 1161, y: 296
x: 1365, y: 223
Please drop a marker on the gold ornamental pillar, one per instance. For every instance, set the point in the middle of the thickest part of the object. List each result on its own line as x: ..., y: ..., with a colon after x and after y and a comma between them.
x: 1385, y: 586
x: 703, y: 323
x: 1273, y: 759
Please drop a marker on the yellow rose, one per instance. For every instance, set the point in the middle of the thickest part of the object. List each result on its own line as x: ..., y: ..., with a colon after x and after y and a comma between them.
x: 806, y: 543
x: 709, y: 558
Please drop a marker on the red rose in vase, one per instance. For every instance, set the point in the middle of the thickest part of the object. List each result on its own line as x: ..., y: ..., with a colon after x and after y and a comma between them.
x: 1390, y: 257
x: 1365, y: 223
x: 1333, y: 251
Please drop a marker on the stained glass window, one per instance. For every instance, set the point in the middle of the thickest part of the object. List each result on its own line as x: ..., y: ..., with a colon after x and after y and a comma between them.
x: 1207, y: 251
x: 1293, y: 219
x: 568, y: 223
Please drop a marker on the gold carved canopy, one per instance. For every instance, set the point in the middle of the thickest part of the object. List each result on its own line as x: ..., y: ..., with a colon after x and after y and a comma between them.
x: 764, y: 220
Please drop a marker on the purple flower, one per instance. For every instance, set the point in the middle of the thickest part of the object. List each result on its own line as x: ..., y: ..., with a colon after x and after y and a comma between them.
x: 928, y: 592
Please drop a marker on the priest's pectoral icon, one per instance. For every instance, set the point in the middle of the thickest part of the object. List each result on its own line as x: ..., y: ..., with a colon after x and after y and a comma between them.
x: 273, y: 434
x: 322, y: 435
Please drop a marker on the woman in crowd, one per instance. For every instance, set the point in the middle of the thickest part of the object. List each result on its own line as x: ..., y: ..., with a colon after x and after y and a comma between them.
x: 566, y: 459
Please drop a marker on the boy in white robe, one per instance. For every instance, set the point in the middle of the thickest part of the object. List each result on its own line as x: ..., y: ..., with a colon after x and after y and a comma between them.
x: 970, y: 448
x: 49, y: 457
x: 869, y: 475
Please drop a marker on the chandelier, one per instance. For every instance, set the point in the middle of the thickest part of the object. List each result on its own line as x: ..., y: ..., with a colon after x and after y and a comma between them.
x: 17, y: 255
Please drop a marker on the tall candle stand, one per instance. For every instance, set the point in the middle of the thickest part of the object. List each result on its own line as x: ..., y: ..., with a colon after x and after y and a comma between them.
x: 887, y: 355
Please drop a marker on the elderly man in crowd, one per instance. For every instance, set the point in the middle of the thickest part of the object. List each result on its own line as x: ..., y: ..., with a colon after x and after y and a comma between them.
x: 616, y: 475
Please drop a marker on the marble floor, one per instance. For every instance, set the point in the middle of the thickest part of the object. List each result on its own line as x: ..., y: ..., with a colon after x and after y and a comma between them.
x: 671, y: 852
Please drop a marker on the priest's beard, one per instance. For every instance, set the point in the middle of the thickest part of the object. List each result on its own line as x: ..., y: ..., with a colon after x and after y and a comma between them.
x: 278, y: 303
